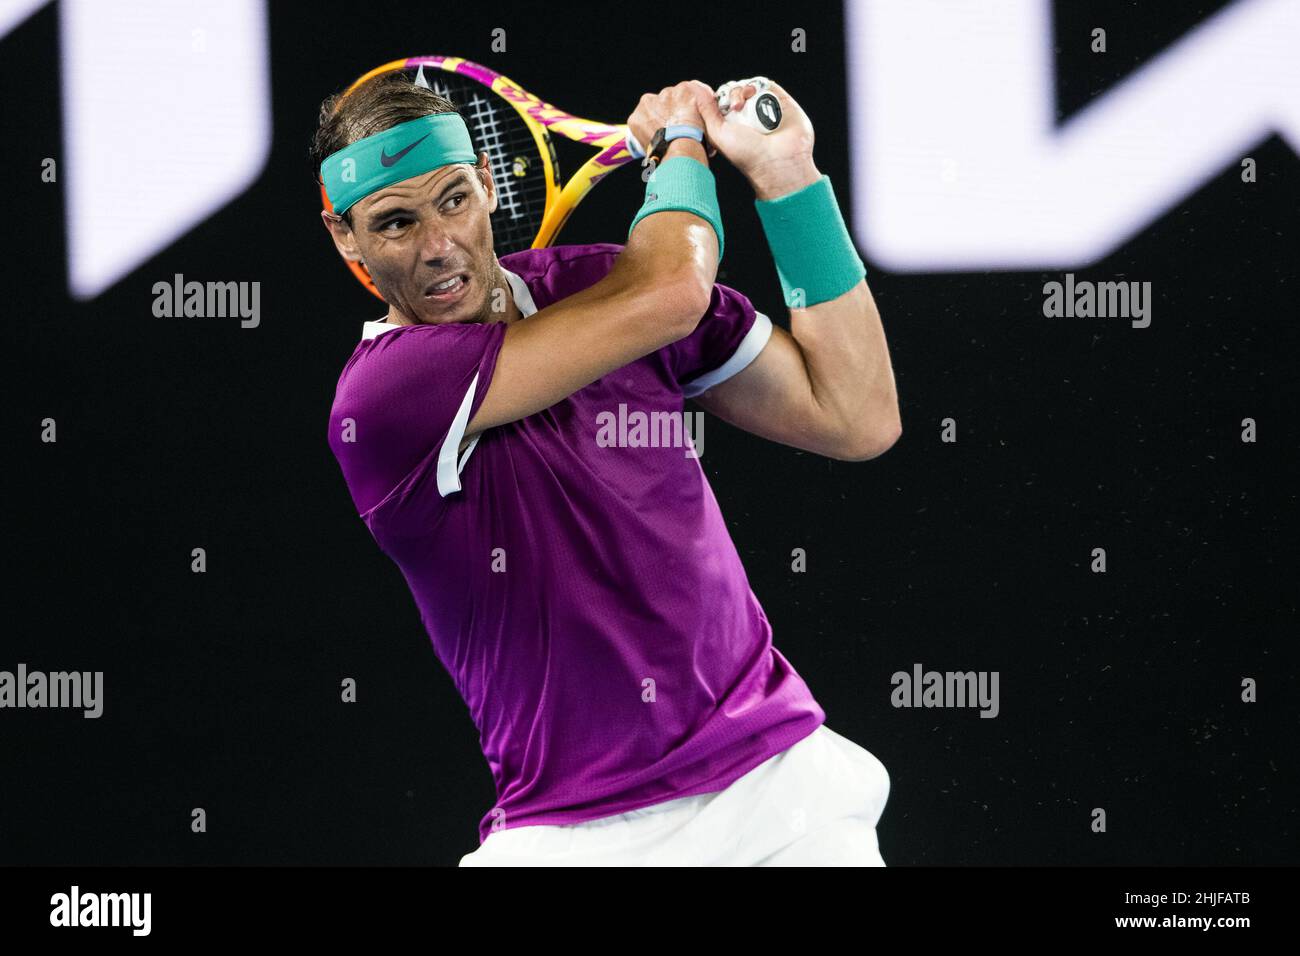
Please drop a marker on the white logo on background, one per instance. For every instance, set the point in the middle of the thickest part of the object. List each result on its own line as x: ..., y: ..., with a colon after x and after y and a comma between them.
x: 166, y: 118
x: 957, y: 160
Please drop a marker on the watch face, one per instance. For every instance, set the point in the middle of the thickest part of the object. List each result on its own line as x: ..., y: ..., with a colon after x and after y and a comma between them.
x: 657, y: 140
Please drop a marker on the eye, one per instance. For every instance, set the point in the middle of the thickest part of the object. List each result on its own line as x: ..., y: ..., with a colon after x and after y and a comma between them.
x: 458, y: 198
x: 393, y: 222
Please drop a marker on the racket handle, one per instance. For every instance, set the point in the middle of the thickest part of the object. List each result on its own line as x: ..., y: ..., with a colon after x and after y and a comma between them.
x: 762, y: 111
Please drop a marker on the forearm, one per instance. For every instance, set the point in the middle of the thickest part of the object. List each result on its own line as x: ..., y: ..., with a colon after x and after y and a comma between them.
x: 849, y: 372
x: 671, y: 256
x: 651, y: 297
x: 842, y: 341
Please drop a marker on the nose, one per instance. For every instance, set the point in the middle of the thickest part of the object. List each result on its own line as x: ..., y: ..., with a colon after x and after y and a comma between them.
x: 435, y: 242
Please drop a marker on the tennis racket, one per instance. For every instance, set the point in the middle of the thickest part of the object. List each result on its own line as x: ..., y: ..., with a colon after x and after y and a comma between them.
x: 515, y: 129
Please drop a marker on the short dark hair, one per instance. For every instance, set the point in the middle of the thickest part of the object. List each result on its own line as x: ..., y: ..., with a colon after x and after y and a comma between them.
x: 382, y: 102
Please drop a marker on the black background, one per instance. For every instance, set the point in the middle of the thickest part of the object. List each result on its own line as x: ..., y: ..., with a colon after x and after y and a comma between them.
x: 1119, y: 691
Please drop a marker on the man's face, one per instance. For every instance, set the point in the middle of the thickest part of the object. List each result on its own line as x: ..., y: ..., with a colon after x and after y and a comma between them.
x: 416, y: 233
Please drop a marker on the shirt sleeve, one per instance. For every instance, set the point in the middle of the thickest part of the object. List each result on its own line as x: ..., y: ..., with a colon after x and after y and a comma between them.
x: 404, y: 401
x: 729, y: 337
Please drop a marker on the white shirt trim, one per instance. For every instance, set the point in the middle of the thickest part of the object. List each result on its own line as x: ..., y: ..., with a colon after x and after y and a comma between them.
x: 523, y: 295
x: 753, y: 343
x: 370, y: 329
x: 449, y: 468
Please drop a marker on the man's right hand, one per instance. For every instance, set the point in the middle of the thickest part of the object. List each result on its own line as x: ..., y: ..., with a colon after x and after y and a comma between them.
x: 670, y: 106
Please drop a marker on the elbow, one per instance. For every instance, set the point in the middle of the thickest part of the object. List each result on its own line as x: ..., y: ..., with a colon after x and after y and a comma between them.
x: 865, y: 444
x: 688, y: 301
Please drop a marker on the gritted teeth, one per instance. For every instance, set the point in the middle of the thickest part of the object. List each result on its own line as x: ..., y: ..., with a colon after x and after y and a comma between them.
x: 449, y: 284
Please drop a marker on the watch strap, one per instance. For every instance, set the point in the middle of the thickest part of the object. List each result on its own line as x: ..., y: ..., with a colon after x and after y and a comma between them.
x: 665, y: 135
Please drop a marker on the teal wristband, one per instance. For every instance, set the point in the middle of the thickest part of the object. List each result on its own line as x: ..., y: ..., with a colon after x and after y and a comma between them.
x: 810, y: 244
x: 681, y: 182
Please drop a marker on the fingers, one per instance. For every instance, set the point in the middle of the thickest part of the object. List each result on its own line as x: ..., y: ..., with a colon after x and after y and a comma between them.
x: 696, y: 103
x: 735, y: 93
x: 707, y: 103
x: 740, y: 93
x: 680, y: 103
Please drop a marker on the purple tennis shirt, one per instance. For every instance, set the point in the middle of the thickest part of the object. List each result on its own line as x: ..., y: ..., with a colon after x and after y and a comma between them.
x: 577, y: 581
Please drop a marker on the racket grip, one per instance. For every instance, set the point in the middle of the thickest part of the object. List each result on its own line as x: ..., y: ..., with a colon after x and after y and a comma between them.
x: 762, y: 111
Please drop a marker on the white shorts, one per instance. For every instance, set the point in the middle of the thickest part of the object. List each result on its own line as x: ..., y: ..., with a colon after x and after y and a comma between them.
x: 816, y: 803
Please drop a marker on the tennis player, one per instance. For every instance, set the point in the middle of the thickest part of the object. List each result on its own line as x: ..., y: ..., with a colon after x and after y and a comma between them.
x: 587, y: 599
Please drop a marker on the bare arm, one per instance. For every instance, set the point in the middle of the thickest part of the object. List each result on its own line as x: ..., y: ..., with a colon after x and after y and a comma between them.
x: 655, y: 294
x: 826, y: 386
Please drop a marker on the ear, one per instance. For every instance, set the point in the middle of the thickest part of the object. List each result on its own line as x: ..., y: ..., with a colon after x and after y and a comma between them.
x: 483, y: 169
x: 344, y: 239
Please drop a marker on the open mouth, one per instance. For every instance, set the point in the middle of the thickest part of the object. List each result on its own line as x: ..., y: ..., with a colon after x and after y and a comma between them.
x: 453, y: 288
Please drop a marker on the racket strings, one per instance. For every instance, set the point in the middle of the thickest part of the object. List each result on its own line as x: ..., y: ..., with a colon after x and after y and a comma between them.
x: 517, y: 169
x: 491, y: 139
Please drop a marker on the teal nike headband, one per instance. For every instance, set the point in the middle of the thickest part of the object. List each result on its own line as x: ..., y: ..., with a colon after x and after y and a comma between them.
x: 408, y: 149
